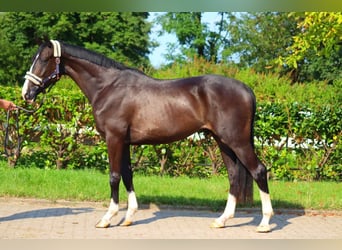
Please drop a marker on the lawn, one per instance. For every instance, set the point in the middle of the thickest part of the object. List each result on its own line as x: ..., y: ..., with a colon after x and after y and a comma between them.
x: 211, y: 193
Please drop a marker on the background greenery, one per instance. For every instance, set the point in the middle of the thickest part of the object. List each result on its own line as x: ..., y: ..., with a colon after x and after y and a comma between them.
x: 306, y: 46
x: 209, y: 193
x: 119, y: 35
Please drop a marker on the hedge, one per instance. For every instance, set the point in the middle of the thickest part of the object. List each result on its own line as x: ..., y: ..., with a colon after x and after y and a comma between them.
x: 297, y: 133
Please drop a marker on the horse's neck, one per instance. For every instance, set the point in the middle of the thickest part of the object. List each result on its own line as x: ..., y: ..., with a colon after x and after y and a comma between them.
x: 86, y: 75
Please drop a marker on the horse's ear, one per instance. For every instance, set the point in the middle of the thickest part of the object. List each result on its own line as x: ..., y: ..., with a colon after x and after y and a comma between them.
x: 40, y: 40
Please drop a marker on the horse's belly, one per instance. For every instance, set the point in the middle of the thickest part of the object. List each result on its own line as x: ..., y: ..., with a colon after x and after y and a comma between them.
x: 161, y: 134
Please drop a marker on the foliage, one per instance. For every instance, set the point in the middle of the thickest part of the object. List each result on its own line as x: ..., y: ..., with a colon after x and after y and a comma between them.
x: 61, y: 124
x: 296, y: 142
x: 195, y: 156
x: 121, y: 36
x: 317, y: 48
x: 194, y: 36
x: 305, y: 46
x: 257, y: 39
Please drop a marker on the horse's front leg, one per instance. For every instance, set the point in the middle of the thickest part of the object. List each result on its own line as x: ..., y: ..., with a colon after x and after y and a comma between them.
x: 115, y: 155
x: 127, y: 177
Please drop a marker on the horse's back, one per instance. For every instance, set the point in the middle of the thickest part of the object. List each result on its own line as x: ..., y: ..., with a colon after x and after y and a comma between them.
x: 220, y: 90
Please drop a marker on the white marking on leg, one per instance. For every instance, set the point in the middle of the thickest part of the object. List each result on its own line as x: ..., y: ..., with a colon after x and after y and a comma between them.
x: 228, y: 213
x: 132, y: 201
x: 267, y: 212
x: 112, y: 210
x: 131, y: 210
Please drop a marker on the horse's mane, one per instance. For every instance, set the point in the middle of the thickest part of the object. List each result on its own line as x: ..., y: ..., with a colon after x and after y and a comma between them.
x: 95, y: 57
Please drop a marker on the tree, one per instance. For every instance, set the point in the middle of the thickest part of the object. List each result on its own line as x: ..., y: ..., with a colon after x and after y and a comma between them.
x: 247, y: 39
x: 194, y: 36
x: 257, y: 39
x: 316, y: 51
x: 121, y: 36
x: 304, y: 46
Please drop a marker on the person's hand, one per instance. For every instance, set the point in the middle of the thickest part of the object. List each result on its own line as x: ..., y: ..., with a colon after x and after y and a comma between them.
x: 12, y: 106
x: 8, y: 105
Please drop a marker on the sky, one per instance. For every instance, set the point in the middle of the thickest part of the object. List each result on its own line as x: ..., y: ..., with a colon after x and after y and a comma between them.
x: 157, y: 57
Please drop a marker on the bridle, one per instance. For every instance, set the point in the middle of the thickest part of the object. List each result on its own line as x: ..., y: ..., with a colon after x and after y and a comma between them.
x: 55, y: 75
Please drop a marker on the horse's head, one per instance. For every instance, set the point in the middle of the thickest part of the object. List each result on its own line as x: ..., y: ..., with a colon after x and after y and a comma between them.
x: 45, y: 70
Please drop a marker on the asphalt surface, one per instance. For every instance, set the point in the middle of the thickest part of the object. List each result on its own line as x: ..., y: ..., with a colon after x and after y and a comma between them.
x: 41, y: 219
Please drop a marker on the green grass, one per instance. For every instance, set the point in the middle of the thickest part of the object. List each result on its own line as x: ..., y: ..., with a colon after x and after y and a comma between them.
x: 90, y: 185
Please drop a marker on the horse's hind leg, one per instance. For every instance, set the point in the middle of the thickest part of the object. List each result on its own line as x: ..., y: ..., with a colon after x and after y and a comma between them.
x: 244, y: 157
x: 127, y: 177
x: 267, y: 210
x: 258, y: 171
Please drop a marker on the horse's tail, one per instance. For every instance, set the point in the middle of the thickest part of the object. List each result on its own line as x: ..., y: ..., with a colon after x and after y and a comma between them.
x: 253, y: 111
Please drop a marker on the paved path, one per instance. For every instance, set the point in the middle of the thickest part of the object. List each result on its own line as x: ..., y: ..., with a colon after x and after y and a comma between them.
x: 40, y: 219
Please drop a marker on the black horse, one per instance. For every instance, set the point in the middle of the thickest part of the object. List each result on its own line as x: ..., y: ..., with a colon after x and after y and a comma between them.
x: 131, y: 108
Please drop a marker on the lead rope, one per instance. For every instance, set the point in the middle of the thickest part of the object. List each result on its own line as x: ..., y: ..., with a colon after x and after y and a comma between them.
x: 7, y: 131
x: 6, y: 139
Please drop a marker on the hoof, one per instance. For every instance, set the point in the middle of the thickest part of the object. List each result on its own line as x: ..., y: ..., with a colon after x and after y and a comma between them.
x: 263, y: 229
x: 216, y: 224
x: 126, y: 223
x: 102, y: 224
